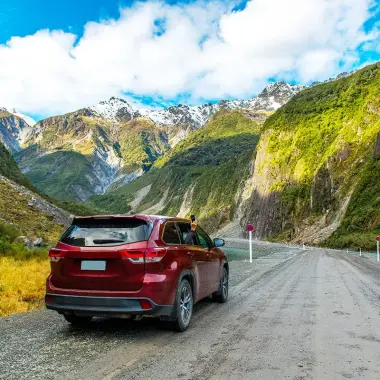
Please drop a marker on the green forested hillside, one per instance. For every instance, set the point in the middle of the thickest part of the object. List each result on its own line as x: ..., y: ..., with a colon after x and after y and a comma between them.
x: 317, y: 151
x: 9, y: 168
x: 201, y: 175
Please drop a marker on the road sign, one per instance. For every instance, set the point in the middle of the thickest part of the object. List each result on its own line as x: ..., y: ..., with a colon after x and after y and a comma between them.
x: 250, y: 227
x: 378, y: 238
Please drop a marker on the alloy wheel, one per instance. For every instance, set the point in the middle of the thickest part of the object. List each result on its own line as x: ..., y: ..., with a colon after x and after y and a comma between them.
x: 186, y: 305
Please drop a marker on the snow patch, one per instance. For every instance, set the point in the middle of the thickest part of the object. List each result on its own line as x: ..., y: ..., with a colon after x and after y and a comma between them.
x: 110, y: 108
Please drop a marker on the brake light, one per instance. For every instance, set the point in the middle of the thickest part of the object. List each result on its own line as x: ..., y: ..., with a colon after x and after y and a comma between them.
x: 134, y: 256
x: 56, y: 254
x: 154, y: 255
x: 145, y: 304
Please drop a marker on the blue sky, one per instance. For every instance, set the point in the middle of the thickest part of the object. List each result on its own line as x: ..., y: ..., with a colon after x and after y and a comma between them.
x: 159, y: 53
x: 23, y: 17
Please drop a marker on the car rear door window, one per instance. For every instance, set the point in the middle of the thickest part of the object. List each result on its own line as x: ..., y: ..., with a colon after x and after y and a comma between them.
x: 170, y: 235
x: 184, y: 229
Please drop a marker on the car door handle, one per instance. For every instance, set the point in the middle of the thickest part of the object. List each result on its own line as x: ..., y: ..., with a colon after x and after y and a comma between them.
x: 191, y: 254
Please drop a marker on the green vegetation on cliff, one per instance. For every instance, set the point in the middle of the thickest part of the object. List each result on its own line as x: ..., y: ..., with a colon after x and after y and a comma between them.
x: 319, y: 148
x: 361, y: 224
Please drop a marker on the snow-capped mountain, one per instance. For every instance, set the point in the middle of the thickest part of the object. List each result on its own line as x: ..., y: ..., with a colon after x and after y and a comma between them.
x: 124, y: 144
x: 186, y: 118
x: 345, y: 74
x: 26, y: 118
x: 114, y: 110
x: 15, y: 128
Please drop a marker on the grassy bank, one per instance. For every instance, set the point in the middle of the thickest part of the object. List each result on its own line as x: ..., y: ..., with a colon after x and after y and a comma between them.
x: 22, y: 284
x: 23, y: 273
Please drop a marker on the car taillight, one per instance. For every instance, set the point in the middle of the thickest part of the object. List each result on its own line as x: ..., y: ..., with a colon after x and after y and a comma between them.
x: 154, y: 255
x: 134, y: 256
x: 56, y: 254
x: 151, y: 255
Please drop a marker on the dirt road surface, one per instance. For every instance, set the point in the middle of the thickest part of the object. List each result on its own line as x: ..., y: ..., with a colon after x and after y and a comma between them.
x: 311, y: 314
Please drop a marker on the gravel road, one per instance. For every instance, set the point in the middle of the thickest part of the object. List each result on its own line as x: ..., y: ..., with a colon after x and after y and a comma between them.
x: 291, y: 315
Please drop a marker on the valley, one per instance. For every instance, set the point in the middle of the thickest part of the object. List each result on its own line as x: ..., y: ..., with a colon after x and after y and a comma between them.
x: 296, y: 162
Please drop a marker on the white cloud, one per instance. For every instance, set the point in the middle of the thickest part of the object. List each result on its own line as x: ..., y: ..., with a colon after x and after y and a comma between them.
x: 203, y: 48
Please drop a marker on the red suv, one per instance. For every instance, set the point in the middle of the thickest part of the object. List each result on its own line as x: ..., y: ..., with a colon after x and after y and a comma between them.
x: 122, y: 266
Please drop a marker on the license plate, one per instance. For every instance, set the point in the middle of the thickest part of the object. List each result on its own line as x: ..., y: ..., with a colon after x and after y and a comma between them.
x: 93, y: 265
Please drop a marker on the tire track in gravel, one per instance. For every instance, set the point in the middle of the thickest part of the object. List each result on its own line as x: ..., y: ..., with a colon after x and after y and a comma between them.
x: 211, y: 338
x: 218, y: 357
x: 346, y: 336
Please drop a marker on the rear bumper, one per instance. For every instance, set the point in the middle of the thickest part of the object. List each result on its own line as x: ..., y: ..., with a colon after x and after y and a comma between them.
x: 104, y: 306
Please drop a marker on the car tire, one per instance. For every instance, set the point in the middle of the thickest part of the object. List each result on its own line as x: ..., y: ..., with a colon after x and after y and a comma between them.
x: 77, y: 320
x: 222, y: 294
x: 183, y: 307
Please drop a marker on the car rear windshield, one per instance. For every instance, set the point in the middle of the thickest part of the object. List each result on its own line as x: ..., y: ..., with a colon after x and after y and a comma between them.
x: 106, y: 232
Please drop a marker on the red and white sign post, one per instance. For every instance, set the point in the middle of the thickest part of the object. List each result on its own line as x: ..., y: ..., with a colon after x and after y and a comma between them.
x: 250, y: 228
x: 377, y: 246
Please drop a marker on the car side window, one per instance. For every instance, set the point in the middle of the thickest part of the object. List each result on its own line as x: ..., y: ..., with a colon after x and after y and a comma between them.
x: 170, y: 235
x: 184, y: 229
x: 203, y: 238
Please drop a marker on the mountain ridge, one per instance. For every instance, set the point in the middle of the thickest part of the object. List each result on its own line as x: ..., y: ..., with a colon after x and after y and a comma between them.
x: 111, y: 143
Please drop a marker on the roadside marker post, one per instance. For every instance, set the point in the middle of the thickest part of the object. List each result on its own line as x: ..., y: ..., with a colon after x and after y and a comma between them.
x: 250, y: 228
x: 377, y: 246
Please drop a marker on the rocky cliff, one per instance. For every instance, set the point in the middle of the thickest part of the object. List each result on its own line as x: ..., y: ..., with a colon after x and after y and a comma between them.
x: 314, y: 157
x: 14, y: 129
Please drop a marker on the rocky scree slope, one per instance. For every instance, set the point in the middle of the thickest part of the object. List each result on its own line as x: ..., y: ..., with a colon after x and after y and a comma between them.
x: 28, y: 212
x: 317, y: 163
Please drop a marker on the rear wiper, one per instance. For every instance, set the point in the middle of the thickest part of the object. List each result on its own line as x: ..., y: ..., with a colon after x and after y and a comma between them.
x: 107, y: 241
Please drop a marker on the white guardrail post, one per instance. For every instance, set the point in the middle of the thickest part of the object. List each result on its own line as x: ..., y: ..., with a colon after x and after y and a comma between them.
x: 250, y: 228
x: 250, y: 246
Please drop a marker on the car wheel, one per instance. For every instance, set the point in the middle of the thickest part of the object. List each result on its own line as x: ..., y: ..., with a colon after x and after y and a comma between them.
x: 76, y: 320
x: 183, y: 307
x: 222, y: 294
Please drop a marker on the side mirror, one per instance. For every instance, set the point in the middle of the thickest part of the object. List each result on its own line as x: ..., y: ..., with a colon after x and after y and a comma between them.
x: 218, y: 242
